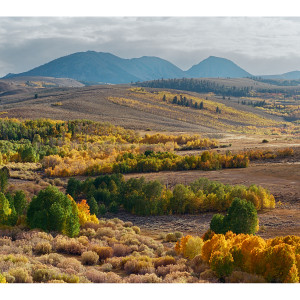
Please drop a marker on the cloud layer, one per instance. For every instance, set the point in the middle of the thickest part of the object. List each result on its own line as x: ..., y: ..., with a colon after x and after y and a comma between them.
x: 259, y: 45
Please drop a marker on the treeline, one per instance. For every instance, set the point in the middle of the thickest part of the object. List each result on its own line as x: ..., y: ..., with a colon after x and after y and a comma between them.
x: 141, y: 197
x: 197, y: 85
x: 44, y: 130
x: 165, y: 161
x: 253, y: 103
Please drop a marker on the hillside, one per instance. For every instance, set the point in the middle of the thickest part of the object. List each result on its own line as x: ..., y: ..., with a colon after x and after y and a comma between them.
x: 137, y: 108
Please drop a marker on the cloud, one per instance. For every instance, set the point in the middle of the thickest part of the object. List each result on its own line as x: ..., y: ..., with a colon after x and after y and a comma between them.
x: 260, y: 45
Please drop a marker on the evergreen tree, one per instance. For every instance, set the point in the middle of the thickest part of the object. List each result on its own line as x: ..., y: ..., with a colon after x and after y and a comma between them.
x: 52, y: 210
x: 93, y: 206
x: 20, y: 202
x: 4, y: 175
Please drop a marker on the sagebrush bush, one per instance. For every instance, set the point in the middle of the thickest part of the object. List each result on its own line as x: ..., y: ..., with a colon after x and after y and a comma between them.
x: 101, y: 277
x: 107, y: 267
x: 42, y: 248
x: 171, y: 237
x: 70, y: 263
x: 147, y: 278
x: 89, y: 258
x: 243, y: 277
x: 42, y: 274
x: 209, y: 275
x: 136, y: 229
x: 162, y: 271
x: 164, y: 261
x: 121, y: 250
x: 180, y: 277
x: 138, y: 266
x: 102, y: 252
x: 83, y: 240
x: 5, y: 241
x: 198, y: 264
x: 53, y: 259
x: 116, y: 262
x: 101, y: 232
x: 68, y: 245
x: 20, y: 275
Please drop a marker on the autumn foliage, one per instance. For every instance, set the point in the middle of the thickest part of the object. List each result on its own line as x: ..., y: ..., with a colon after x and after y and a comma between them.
x: 276, y: 260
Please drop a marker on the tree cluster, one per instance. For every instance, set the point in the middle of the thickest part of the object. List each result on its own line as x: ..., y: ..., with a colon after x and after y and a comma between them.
x: 141, y: 197
x: 197, y: 85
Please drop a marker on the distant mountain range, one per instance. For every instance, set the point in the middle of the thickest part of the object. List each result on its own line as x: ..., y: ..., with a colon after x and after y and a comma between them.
x: 100, y: 67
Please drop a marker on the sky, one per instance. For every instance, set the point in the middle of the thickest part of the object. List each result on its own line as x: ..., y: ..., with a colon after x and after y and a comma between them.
x: 260, y: 45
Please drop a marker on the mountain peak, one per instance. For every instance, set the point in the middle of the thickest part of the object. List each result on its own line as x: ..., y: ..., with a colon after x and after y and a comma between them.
x: 214, y: 66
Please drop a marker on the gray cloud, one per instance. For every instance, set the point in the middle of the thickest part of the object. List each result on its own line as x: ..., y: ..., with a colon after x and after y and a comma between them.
x: 260, y: 45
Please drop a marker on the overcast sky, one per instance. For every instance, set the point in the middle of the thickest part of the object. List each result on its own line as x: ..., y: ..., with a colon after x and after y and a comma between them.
x: 259, y: 45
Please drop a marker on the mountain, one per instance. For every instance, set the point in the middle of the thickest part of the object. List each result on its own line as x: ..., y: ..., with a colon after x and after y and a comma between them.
x: 217, y: 67
x: 103, y: 67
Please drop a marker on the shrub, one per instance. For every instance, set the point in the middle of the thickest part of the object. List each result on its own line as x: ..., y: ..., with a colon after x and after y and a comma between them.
x: 89, y: 258
x: 137, y: 266
x: 2, y: 279
x: 101, y: 277
x: 209, y: 275
x: 42, y: 248
x: 147, y: 278
x: 53, y: 259
x: 179, y: 277
x: 178, y: 235
x: 102, y: 252
x: 243, y: 277
x: 116, y: 262
x: 106, y: 267
x: 83, y: 240
x: 198, y: 264
x: 164, y: 270
x: 42, y: 275
x: 136, y: 229
x: 68, y: 246
x: 121, y: 250
x: 71, y: 264
x: 171, y: 237
x: 21, y: 275
x: 164, y: 261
